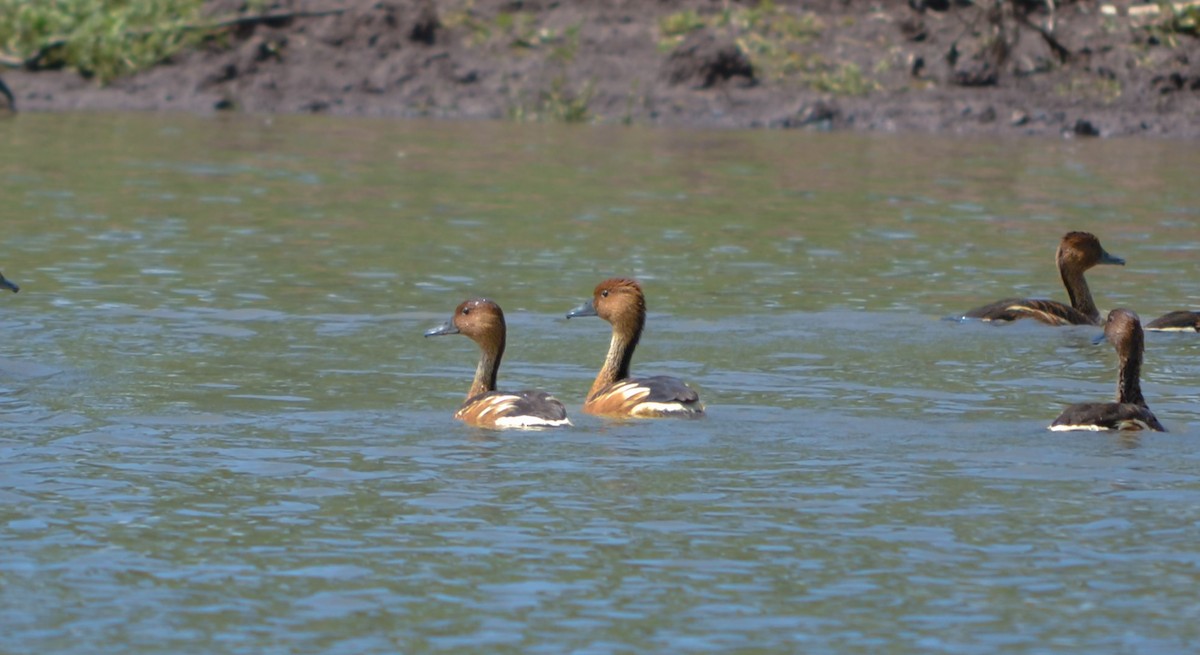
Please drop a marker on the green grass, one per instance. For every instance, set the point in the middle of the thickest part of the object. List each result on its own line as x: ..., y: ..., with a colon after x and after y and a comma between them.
x: 1184, y: 21
x: 518, y: 33
x: 764, y: 23
x: 675, y: 27
x: 513, y: 29
x: 559, y: 103
x: 101, y: 38
x: 844, y: 79
x: 773, y: 38
x: 1086, y: 86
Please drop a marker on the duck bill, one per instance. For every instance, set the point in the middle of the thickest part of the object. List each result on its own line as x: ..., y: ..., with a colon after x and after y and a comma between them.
x: 1099, y: 339
x: 1106, y: 258
x: 586, y: 309
x: 5, y: 283
x: 443, y: 329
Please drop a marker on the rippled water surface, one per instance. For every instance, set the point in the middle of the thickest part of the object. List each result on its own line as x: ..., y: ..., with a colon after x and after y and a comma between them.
x: 222, y: 431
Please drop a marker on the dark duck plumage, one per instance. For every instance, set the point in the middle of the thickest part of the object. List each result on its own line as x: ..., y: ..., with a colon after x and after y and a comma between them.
x: 6, y: 283
x: 1177, y: 321
x: 483, y: 321
x: 1124, y: 331
x: 8, y: 104
x: 620, y: 301
x: 1077, y: 252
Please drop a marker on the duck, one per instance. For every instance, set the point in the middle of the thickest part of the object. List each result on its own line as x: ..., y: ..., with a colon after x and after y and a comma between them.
x: 483, y: 321
x: 1123, y: 329
x: 615, y: 394
x: 1182, y: 320
x: 6, y: 283
x: 1077, y: 252
x: 8, y: 103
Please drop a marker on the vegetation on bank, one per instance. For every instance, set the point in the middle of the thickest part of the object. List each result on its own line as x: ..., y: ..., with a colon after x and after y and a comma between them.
x: 1176, y: 21
x: 773, y: 39
x: 522, y: 35
x: 770, y: 36
x: 772, y: 45
x: 100, y: 38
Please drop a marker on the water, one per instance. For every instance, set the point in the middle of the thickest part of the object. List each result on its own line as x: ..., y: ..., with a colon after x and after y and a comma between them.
x: 222, y: 431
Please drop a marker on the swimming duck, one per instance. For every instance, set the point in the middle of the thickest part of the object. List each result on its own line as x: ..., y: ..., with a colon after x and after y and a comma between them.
x: 1177, y: 321
x: 620, y: 301
x: 8, y: 104
x: 1077, y: 252
x: 1124, y: 331
x: 6, y: 283
x: 483, y: 321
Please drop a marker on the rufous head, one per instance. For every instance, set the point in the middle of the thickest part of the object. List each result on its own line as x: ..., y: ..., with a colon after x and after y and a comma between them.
x: 1082, y: 250
x: 1123, y: 329
x: 478, y: 318
x: 618, y: 300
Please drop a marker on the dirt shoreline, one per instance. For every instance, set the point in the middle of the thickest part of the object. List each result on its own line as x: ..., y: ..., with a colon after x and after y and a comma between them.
x: 924, y: 66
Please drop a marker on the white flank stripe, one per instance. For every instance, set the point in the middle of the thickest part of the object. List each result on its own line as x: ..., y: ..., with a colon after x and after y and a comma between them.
x: 658, y: 409
x: 1045, y: 317
x: 1127, y: 424
x: 530, y: 422
x: 1078, y: 428
x: 632, y: 391
x: 498, y: 405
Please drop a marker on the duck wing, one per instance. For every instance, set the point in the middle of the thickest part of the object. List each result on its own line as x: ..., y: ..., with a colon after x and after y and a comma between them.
x: 1050, y: 312
x: 1107, y: 416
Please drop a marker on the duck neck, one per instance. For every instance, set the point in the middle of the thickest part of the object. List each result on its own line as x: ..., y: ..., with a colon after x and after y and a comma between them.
x: 1129, y: 380
x: 490, y: 353
x: 625, y: 338
x: 1081, y: 296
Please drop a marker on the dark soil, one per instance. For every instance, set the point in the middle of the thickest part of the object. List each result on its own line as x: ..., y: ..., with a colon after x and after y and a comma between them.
x: 1011, y: 67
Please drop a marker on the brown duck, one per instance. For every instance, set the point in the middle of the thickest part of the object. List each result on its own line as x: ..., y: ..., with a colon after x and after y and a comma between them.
x: 1077, y: 252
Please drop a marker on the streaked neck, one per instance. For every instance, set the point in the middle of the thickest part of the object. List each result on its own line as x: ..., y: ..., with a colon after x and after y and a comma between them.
x: 620, y: 354
x: 1081, y: 296
x: 1129, y: 381
x: 489, y: 366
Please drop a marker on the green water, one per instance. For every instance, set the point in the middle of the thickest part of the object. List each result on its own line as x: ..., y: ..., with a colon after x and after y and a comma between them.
x: 222, y: 431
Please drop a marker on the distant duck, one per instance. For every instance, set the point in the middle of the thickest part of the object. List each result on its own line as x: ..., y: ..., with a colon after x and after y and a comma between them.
x: 6, y: 283
x: 483, y: 321
x: 1178, y: 321
x: 8, y: 104
x: 620, y: 301
x: 1124, y: 331
x: 1077, y: 252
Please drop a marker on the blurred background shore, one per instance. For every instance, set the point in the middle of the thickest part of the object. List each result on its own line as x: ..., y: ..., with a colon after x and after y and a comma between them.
x: 1074, y: 68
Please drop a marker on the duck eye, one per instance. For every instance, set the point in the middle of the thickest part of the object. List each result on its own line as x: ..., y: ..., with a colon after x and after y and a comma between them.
x: 466, y: 310
x: 604, y: 293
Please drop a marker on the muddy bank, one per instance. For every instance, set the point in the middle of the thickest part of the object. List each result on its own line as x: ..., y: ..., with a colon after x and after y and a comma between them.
x: 1013, y: 67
